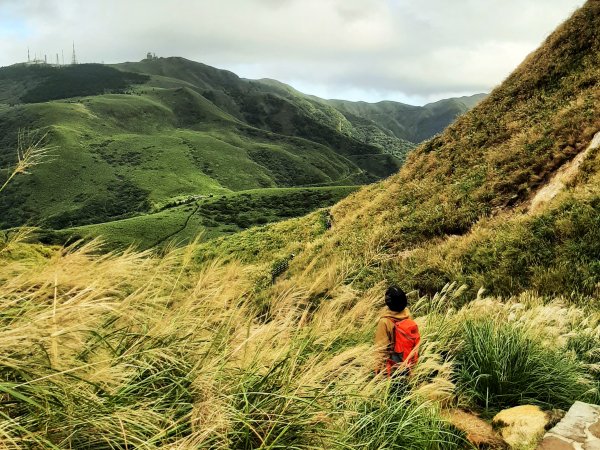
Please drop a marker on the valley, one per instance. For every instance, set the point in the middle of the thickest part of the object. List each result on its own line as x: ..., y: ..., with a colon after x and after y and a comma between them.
x: 139, y: 136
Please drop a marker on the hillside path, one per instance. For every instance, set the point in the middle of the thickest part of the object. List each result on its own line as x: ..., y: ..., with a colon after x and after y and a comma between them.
x: 562, y: 177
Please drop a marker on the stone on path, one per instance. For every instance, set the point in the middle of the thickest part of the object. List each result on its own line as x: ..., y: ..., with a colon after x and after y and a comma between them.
x: 579, y: 430
x: 521, y: 426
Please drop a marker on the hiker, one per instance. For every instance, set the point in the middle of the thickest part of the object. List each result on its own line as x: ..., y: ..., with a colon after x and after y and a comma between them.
x: 397, y: 335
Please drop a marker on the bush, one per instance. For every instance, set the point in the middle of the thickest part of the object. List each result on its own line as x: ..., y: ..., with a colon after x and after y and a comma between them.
x: 502, y: 365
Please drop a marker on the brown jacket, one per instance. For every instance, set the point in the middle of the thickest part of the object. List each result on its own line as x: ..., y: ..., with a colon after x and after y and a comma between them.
x: 384, y: 334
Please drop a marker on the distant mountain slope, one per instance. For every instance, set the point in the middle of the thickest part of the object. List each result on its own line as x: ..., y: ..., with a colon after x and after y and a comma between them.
x: 23, y: 83
x: 118, y: 155
x: 458, y: 210
x: 391, y: 125
x: 410, y: 123
x: 272, y: 106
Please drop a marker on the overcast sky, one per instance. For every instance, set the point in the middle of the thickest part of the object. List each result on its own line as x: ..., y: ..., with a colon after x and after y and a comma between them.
x: 413, y: 51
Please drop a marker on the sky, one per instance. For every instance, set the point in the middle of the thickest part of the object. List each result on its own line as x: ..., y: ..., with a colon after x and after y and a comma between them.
x: 413, y: 51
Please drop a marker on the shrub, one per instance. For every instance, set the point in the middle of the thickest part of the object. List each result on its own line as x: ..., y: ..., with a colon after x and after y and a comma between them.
x: 503, y: 365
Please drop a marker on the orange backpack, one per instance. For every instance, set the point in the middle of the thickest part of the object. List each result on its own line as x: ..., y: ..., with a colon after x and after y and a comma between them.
x: 405, y: 345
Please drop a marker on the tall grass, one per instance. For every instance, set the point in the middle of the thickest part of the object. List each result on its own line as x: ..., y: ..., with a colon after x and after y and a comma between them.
x: 31, y: 151
x: 132, y: 350
x: 501, y: 365
x: 135, y: 351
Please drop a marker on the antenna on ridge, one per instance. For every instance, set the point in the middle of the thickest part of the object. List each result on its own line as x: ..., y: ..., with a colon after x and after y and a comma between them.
x: 28, y: 57
x: 74, y: 60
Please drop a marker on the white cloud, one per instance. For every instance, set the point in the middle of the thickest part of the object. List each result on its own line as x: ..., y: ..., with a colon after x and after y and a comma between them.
x: 370, y: 49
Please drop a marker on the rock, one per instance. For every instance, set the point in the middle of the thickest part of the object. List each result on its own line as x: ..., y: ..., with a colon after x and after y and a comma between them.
x: 521, y: 426
x: 579, y: 429
x: 478, y: 432
x: 592, y: 445
x: 576, y: 421
x: 554, y: 443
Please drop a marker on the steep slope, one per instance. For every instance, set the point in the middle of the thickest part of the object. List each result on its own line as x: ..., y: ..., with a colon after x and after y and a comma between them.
x: 457, y: 210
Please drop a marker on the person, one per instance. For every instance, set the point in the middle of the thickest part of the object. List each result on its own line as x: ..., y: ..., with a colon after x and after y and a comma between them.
x: 397, y: 335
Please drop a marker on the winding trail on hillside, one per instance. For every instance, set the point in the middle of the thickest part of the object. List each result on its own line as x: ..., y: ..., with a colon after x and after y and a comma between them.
x: 180, y: 229
x: 561, y: 178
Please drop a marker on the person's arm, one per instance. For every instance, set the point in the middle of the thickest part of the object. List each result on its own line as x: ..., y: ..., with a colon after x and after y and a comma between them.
x: 382, y: 342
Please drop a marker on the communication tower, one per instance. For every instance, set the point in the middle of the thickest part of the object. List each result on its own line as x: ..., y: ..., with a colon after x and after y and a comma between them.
x: 74, y: 59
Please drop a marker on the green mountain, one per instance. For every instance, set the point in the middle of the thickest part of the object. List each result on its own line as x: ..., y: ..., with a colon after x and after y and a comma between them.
x: 138, y: 137
x: 271, y: 105
x: 406, y: 122
x: 140, y: 146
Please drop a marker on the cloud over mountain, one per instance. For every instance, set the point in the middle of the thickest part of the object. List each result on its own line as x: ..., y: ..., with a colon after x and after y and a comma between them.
x: 357, y: 49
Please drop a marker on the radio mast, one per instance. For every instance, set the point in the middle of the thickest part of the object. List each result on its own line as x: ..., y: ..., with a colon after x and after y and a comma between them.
x: 74, y: 59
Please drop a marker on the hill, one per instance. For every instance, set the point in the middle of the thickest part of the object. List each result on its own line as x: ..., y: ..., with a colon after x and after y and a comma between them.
x: 411, y: 123
x: 139, y: 136
x: 458, y: 209
x: 134, y: 149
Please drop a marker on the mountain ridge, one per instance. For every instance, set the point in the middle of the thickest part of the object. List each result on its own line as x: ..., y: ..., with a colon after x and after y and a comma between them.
x: 184, y: 122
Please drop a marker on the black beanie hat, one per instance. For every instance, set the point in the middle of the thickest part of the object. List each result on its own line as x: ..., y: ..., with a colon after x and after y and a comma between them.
x: 395, y: 299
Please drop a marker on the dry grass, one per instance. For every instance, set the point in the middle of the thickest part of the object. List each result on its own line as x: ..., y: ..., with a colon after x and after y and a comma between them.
x: 105, y: 350
x: 131, y: 350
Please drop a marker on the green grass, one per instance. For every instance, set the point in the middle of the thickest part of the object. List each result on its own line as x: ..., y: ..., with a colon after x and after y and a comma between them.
x: 503, y: 365
x: 107, y: 142
x: 552, y: 252
x: 394, y: 422
x: 206, y: 217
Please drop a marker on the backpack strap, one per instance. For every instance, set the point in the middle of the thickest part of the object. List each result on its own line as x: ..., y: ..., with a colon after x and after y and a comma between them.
x: 394, y: 321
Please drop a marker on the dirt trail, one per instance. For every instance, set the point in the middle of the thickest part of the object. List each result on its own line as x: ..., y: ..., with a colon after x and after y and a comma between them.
x: 562, y: 177
x: 180, y: 229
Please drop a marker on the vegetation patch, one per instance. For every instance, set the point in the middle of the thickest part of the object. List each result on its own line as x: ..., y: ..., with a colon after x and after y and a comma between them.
x: 53, y: 83
x: 502, y: 365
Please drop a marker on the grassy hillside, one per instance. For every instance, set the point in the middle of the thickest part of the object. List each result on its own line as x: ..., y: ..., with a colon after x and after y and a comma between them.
x: 134, y: 350
x: 458, y: 209
x: 22, y: 83
x: 159, y: 138
x: 274, y: 106
x: 137, y: 136
x: 131, y: 154
x: 205, y: 217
